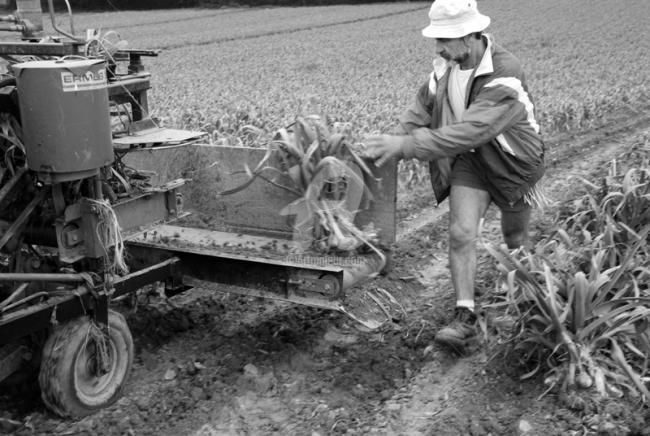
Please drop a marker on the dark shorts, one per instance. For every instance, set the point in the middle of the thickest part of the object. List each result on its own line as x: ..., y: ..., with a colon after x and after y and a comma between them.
x: 467, y: 171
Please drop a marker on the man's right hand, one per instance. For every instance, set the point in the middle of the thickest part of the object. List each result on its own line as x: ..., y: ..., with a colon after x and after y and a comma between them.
x: 382, y: 148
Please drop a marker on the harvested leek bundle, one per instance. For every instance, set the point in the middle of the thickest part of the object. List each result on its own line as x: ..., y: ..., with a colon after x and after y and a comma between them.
x: 327, y: 175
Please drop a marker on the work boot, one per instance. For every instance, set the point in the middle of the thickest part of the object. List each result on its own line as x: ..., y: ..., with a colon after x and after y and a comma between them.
x: 461, y: 331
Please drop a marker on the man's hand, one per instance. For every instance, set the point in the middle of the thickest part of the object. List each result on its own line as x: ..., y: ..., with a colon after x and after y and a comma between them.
x: 382, y: 148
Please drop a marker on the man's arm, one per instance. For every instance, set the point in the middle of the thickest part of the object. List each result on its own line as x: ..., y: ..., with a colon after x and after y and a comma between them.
x: 382, y: 148
x: 495, y: 110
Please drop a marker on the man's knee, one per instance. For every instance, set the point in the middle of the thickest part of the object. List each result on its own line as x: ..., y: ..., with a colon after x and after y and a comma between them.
x: 461, y: 235
x: 514, y: 226
x: 516, y: 240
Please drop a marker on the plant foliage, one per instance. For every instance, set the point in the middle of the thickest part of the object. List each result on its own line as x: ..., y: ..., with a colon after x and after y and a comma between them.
x: 325, y: 171
x: 581, y: 297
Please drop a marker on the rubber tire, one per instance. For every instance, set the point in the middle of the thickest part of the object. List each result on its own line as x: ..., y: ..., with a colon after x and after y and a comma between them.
x: 60, y: 363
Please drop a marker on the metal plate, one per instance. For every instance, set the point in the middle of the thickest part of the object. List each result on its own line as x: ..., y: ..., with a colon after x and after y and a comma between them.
x: 157, y: 136
x: 219, y: 243
x: 254, y: 251
x: 256, y: 209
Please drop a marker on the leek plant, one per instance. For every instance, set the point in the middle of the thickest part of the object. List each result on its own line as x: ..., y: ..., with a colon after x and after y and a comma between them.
x: 581, y: 297
x: 325, y: 172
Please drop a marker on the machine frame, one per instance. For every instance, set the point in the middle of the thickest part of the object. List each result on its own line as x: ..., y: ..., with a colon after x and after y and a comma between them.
x: 41, y: 310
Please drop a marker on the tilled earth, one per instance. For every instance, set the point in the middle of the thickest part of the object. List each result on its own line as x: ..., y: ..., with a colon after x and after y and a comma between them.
x: 214, y: 363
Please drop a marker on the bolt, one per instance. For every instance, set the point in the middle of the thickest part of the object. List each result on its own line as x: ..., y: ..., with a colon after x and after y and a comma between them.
x: 36, y: 262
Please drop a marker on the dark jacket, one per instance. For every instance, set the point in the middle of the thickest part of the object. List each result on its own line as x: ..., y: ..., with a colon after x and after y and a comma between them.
x: 499, y: 125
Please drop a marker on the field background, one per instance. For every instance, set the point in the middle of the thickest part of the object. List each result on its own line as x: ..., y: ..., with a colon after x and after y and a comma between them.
x: 220, y: 70
x: 584, y: 60
x: 269, y: 369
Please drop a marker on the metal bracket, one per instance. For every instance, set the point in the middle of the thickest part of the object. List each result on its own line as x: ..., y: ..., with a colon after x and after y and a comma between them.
x: 11, y: 359
x: 327, y: 285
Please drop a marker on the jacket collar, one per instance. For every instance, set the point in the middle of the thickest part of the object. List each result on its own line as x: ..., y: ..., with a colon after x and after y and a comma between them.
x: 485, y: 66
x: 441, y: 66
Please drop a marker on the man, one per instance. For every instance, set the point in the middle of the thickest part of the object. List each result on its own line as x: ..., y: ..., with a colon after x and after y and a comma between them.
x: 474, y: 121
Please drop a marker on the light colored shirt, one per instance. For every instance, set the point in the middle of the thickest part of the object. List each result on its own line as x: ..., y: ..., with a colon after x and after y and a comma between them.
x: 458, y: 80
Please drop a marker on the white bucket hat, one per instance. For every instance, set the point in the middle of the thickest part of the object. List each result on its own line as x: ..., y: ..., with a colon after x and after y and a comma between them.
x: 454, y: 19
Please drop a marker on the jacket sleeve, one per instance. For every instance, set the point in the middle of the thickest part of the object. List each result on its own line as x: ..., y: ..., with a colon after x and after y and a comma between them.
x: 495, y: 109
x: 418, y: 115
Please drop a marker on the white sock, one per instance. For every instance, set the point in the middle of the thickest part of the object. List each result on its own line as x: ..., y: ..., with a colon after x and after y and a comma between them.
x: 468, y: 304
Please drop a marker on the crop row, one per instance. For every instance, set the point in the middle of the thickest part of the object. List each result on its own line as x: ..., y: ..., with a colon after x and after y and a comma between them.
x: 227, y: 68
x: 179, y: 29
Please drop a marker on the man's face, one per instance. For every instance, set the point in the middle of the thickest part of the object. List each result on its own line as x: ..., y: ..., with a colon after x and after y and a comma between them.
x: 456, y: 49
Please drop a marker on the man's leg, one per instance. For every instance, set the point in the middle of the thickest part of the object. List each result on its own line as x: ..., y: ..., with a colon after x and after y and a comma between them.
x: 466, y: 208
x: 514, y: 226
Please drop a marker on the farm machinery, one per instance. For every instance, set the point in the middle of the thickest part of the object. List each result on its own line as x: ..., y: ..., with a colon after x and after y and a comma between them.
x: 84, y: 222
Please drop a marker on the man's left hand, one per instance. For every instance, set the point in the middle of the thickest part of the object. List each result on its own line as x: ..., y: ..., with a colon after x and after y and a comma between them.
x: 382, y: 148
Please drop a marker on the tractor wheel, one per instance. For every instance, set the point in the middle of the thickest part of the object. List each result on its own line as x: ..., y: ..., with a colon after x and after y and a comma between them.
x: 82, y: 369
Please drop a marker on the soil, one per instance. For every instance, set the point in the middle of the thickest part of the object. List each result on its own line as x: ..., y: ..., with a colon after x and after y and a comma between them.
x: 214, y: 363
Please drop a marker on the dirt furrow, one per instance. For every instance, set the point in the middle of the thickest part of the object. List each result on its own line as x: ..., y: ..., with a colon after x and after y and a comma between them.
x: 203, y: 16
x: 285, y: 31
